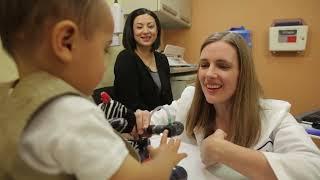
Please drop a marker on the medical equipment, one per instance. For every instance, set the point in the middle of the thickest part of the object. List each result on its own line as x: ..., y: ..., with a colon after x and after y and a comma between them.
x: 288, y: 35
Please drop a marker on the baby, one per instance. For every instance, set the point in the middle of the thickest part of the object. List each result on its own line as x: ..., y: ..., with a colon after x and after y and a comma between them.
x: 58, y: 47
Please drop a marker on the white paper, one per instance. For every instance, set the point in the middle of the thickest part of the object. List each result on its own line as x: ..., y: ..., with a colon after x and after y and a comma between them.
x: 196, y: 169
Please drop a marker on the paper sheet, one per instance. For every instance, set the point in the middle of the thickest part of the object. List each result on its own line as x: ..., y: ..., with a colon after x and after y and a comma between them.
x: 196, y: 169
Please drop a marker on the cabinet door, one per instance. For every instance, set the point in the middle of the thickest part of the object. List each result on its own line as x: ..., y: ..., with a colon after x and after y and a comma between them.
x: 166, y: 10
x: 185, y: 10
x: 170, y: 6
x: 131, y: 5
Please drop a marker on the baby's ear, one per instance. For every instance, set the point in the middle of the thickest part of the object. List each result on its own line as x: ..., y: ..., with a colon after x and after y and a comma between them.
x: 63, y: 39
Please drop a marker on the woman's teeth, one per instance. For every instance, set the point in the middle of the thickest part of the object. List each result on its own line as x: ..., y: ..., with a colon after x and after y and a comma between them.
x: 145, y: 37
x: 214, y: 86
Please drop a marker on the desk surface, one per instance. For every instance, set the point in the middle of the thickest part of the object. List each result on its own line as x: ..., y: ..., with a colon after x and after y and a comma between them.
x: 183, y: 69
x: 195, y: 168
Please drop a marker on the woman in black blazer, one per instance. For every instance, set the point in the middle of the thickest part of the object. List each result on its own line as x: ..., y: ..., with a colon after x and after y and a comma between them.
x: 142, y: 75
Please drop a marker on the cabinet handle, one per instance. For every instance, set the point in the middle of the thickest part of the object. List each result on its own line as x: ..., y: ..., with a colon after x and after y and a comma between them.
x: 185, y: 19
x: 169, y: 10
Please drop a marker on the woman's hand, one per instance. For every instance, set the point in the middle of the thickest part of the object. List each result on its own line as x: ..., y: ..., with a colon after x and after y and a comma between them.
x: 143, y: 118
x: 210, y: 147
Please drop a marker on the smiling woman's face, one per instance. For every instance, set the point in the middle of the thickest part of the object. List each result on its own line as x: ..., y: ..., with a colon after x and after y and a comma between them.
x: 145, y: 30
x: 218, y: 72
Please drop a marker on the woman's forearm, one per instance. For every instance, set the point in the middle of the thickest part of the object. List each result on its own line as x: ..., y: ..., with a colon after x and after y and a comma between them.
x: 248, y: 162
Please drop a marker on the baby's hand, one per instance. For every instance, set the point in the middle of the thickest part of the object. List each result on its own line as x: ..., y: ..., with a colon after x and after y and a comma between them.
x: 167, y: 150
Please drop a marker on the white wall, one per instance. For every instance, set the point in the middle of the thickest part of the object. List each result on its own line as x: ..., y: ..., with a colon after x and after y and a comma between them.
x: 110, y: 60
x: 8, y: 70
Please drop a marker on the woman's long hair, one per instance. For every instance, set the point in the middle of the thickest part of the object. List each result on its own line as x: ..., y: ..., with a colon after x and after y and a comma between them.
x: 245, y: 122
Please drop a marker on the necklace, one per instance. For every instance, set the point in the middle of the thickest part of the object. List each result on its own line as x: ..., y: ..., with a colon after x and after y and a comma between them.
x: 148, y: 60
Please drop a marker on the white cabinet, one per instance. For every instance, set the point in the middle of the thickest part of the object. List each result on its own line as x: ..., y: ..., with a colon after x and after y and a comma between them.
x: 185, y: 10
x: 180, y: 82
x: 172, y: 13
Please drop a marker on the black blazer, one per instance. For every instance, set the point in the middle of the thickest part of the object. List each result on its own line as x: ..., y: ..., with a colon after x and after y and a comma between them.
x: 134, y: 86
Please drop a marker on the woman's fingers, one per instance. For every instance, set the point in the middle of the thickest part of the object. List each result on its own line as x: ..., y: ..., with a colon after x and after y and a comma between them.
x: 142, y: 120
x: 220, y: 134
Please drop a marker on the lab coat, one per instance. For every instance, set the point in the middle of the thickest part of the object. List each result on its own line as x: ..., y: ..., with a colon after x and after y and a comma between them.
x: 288, y: 149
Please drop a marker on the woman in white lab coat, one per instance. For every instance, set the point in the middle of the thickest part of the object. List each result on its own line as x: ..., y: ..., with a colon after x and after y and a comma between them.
x: 225, y: 115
